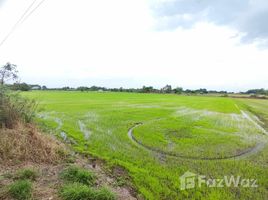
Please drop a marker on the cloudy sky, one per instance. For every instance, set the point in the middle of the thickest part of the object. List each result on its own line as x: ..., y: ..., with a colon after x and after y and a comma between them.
x: 217, y: 44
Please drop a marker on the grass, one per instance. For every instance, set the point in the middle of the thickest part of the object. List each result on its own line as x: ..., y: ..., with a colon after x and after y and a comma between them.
x: 188, y: 125
x: 185, y: 137
x: 14, y: 108
x: 104, y: 194
x: 78, y: 191
x: 26, y: 143
x: 27, y: 174
x: 21, y: 190
x: 78, y: 175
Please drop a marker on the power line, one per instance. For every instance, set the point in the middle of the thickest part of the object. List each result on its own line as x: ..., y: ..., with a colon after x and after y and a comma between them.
x: 37, y: 6
x: 22, y: 19
x: 18, y: 22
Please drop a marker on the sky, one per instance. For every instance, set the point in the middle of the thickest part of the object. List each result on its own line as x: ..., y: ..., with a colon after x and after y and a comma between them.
x: 213, y: 44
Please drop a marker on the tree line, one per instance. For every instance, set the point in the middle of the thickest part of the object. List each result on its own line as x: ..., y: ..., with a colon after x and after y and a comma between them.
x: 9, y: 72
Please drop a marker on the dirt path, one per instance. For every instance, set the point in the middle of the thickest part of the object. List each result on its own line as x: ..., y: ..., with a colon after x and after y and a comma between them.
x: 244, y: 154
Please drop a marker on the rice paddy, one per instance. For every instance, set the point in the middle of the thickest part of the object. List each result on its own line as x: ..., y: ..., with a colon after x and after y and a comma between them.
x: 157, y: 138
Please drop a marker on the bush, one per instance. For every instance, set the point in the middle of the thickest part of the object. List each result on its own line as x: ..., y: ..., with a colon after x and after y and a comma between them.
x: 21, y: 190
x: 26, y: 174
x: 75, y: 174
x: 78, y: 191
x: 14, y: 107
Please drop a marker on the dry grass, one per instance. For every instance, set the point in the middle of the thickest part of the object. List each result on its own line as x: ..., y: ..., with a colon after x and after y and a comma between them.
x: 26, y: 143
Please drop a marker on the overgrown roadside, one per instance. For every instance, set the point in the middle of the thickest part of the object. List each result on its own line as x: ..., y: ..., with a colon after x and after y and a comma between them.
x: 32, y: 162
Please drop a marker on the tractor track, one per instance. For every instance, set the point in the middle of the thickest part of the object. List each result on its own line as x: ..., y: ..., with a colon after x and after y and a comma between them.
x: 246, y: 153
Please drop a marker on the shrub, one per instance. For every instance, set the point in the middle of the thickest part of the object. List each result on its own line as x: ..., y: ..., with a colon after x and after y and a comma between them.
x: 21, y: 190
x: 14, y: 107
x: 79, y: 175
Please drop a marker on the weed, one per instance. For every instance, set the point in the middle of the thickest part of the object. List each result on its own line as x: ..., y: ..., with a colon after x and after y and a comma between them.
x: 76, y: 174
x: 21, y: 190
x: 78, y: 191
x: 14, y: 107
x: 104, y: 194
x: 27, y: 174
x: 121, y: 181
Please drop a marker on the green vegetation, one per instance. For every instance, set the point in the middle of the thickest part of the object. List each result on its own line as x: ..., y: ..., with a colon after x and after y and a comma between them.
x: 186, y: 136
x: 104, y: 194
x: 76, y: 174
x: 192, y: 126
x: 78, y: 191
x: 21, y: 190
x: 80, y: 184
x: 26, y: 174
x: 14, y: 107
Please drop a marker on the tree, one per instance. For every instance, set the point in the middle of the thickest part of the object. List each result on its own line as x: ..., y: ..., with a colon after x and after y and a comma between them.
x: 44, y: 87
x: 21, y: 86
x: 66, y: 88
x: 178, y: 90
x: 202, y: 91
x: 167, y: 89
x: 8, y: 72
x: 147, y: 89
x: 82, y: 88
x: 261, y: 91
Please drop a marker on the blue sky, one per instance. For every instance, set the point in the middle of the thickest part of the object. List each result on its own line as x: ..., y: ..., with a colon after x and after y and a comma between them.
x: 189, y: 43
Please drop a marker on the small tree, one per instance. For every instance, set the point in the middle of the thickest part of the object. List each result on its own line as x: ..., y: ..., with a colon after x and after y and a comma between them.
x: 167, y: 89
x: 146, y: 89
x: 44, y: 87
x: 178, y: 90
x: 8, y: 72
x: 21, y: 86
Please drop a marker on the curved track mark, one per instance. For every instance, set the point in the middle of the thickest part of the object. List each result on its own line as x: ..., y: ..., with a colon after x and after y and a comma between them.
x: 248, y: 152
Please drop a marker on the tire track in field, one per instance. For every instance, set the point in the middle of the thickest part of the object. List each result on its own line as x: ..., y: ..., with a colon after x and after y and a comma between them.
x: 246, y: 116
x: 243, y: 154
x: 84, y: 130
x: 254, y: 122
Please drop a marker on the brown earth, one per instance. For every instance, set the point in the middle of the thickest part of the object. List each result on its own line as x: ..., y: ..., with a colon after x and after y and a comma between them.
x: 26, y: 147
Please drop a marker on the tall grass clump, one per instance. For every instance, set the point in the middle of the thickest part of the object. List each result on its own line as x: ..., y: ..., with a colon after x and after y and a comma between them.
x: 20, y: 140
x: 27, y: 174
x: 78, y: 191
x: 21, y: 190
x: 13, y: 108
x: 104, y: 194
x: 76, y: 174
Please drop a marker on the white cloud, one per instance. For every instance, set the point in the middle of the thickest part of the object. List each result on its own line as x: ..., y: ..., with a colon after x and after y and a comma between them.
x: 112, y: 43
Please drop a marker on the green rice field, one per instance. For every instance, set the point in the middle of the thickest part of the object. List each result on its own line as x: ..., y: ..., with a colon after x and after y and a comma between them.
x: 157, y: 138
